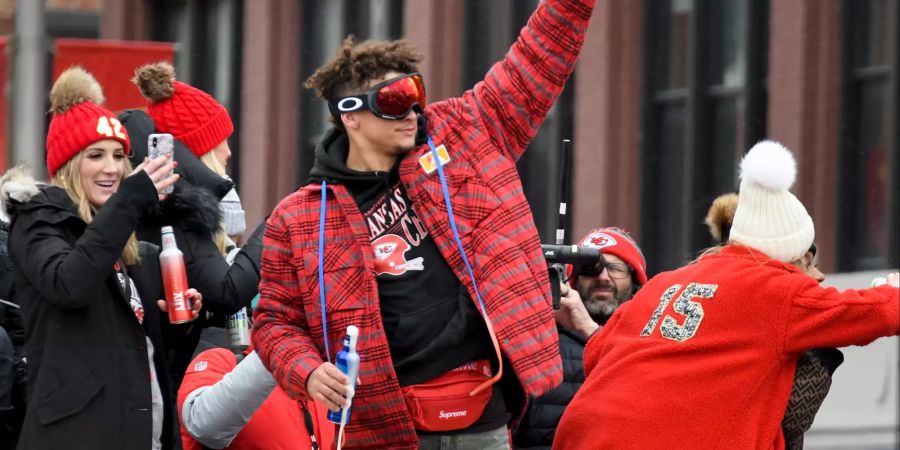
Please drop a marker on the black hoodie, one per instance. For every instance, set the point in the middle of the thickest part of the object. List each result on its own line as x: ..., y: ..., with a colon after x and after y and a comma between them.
x: 431, y: 323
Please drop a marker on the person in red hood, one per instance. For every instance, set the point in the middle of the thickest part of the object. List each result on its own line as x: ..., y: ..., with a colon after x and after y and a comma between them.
x: 227, y: 403
x: 703, y: 357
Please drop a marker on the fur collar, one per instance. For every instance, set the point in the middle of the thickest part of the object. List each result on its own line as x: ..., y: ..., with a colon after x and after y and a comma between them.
x: 193, y: 208
x: 16, y: 186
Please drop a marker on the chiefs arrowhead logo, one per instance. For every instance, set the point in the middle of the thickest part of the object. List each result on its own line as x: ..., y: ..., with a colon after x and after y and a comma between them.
x: 599, y: 240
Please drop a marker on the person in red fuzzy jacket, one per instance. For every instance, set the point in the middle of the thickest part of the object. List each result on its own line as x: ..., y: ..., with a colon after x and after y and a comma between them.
x: 812, y: 378
x: 703, y: 357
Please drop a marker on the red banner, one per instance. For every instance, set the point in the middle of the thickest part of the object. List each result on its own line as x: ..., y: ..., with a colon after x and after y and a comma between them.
x: 112, y: 63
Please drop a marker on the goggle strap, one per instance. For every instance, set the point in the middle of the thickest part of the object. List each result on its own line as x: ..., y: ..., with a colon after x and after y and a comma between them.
x: 348, y: 104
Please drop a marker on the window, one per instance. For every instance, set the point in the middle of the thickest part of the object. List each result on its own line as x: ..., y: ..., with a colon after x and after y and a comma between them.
x: 325, y: 24
x: 208, y: 54
x: 491, y: 27
x: 666, y: 122
x: 704, y: 105
x: 72, y: 23
x: 868, y: 170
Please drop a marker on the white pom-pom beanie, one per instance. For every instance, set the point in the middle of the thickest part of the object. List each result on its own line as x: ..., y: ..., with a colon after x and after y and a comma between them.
x: 768, y: 217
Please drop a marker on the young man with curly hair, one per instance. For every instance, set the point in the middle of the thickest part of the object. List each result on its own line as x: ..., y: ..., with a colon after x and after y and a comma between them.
x: 415, y: 229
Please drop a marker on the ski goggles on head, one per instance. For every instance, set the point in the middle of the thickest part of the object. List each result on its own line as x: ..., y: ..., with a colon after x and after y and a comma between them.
x: 391, y: 99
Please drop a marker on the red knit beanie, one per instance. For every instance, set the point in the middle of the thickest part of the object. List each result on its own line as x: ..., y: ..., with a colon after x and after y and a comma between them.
x: 613, y: 241
x: 190, y: 115
x: 78, y: 119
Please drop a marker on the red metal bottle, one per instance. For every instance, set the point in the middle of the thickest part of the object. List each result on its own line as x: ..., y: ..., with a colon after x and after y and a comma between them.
x: 174, y: 276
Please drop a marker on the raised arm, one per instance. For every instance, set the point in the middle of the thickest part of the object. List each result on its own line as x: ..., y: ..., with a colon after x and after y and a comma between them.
x: 280, y: 331
x: 513, y: 99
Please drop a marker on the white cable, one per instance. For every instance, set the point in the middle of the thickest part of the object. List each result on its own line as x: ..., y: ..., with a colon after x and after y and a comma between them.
x: 340, y: 439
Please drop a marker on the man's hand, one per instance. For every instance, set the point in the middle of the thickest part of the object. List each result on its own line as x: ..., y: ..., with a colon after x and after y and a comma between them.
x: 327, y: 385
x: 572, y: 314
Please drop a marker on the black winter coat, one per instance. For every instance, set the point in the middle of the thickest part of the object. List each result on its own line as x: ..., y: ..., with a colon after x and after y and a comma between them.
x: 538, y: 426
x: 193, y: 213
x: 13, y: 375
x: 89, y: 376
x: 10, y: 318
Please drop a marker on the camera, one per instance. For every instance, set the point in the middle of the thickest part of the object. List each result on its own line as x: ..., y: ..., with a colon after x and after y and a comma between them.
x: 558, y: 256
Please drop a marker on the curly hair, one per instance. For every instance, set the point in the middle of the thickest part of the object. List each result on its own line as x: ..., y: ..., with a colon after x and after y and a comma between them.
x: 357, y: 63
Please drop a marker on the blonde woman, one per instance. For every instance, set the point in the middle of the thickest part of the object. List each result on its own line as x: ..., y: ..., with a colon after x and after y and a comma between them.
x: 92, y: 340
x: 704, y: 356
x: 202, y: 222
x: 812, y: 378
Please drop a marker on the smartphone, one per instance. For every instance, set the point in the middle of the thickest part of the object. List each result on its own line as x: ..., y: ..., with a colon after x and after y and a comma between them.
x: 159, y: 144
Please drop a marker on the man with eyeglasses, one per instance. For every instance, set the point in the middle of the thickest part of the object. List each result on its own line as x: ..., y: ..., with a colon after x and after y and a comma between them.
x: 613, y: 280
x: 593, y: 293
x: 415, y: 228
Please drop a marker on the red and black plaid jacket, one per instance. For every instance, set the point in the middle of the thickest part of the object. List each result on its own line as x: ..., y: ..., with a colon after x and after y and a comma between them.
x: 485, y: 131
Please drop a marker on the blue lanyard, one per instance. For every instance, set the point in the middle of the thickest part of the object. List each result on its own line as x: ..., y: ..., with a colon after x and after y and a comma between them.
x: 322, y: 268
x: 451, y: 217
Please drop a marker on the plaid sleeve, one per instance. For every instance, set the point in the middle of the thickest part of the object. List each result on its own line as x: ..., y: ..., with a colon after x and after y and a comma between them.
x: 280, y: 334
x: 517, y: 92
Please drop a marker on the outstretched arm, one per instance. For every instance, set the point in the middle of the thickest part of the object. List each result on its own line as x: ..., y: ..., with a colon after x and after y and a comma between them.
x: 826, y: 317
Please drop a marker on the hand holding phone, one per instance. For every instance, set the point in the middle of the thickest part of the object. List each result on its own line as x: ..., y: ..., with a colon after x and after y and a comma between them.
x: 159, y: 144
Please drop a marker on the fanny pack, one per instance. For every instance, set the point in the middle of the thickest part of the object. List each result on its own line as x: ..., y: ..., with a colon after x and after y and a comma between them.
x: 451, y: 401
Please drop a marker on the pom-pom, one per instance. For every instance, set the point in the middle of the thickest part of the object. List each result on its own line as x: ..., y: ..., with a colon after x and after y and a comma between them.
x: 75, y: 85
x: 156, y: 81
x: 769, y: 164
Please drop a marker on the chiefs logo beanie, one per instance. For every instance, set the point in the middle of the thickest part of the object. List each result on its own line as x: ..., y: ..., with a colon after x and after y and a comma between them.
x: 614, y: 241
x: 78, y: 119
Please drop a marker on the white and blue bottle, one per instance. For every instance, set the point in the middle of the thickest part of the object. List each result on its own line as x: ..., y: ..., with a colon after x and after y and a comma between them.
x: 347, y: 362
